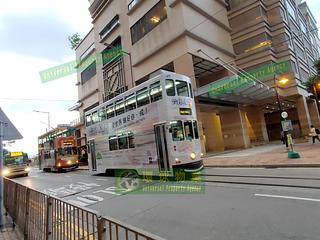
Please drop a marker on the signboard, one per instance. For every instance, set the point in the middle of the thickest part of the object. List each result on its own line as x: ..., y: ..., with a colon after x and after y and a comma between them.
x: 16, y: 154
x: 286, y: 125
x: 185, y: 111
x: 239, y: 81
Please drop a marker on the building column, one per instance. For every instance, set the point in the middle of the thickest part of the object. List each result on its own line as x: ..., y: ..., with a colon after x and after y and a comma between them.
x: 234, y: 129
x: 303, y: 115
x: 184, y: 65
x: 314, y: 113
x: 257, y: 125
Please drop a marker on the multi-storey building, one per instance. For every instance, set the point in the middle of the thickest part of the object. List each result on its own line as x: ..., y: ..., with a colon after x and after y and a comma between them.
x: 208, y: 40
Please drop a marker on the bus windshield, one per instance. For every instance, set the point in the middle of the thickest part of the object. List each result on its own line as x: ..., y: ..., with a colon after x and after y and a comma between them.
x: 67, y: 151
x: 20, y: 160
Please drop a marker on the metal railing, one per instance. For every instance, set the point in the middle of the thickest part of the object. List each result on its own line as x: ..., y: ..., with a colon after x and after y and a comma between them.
x: 43, y: 217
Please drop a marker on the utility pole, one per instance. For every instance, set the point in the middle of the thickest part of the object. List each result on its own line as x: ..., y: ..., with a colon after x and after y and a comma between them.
x: 2, y: 124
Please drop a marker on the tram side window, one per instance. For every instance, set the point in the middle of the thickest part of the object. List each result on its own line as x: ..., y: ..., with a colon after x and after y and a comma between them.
x: 102, y: 114
x: 195, y: 128
x: 188, y: 130
x: 190, y: 88
x: 131, y: 102
x: 143, y: 97
x: 95, y: 118
x: 88, y: 120
x: 113, y: 143
x: 110, y: 111
x: 123, y: 142
x: 177, y: 131
x: 170, y: 87
x: 182, y: 88
x: 155, y: 92
x: 119, y: 107
x: 131, y: 140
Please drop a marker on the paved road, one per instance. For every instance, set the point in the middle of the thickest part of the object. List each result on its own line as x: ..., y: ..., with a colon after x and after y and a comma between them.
x: 222, y: 211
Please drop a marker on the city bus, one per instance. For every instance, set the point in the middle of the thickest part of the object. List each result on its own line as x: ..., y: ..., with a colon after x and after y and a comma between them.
x: 58, y: 150
x: 151, y: 126
x: 15, y: 164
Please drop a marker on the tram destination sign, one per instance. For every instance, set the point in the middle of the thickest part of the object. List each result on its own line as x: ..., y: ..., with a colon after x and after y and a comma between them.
x: 240, y: 81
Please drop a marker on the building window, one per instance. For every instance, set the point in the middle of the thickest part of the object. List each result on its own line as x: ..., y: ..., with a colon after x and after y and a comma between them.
x: 257, y: 42
x: 291, y: 10
x: 149, y: 21
x: 109, y: 27
x: 88, y: 73
x: 132, y: 4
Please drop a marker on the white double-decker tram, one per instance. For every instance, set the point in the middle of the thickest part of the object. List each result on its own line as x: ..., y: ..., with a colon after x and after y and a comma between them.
x: 151, y: 126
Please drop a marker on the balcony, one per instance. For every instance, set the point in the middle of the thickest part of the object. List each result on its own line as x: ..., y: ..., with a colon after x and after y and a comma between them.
x: 77, y: 122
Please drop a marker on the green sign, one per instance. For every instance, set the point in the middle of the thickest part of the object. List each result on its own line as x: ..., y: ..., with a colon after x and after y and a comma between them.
x: 74, y: 66
x: 239, y: 81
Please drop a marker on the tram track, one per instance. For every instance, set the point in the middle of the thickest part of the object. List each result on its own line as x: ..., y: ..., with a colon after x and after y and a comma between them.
x: 264, y: 180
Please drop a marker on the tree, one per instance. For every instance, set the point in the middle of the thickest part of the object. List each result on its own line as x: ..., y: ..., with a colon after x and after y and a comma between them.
x: 311, y: 83
x: 74, y: 40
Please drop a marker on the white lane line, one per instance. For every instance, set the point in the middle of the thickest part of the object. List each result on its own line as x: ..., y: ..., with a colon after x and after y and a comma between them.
x: 287, y: 197
x: 101, y: 179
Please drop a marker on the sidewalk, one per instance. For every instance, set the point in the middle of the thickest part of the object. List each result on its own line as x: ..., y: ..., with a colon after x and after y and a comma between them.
x: 8, y: 233
x: 270, y: 155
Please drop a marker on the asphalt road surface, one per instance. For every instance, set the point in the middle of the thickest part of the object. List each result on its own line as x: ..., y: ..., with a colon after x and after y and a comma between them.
x: 232, y: 204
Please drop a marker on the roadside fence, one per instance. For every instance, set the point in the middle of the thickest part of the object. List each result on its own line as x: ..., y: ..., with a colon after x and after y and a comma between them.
x: 44, y: 217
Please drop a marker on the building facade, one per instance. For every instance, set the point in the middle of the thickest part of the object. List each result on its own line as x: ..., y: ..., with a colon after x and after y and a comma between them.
x: 211, y: 41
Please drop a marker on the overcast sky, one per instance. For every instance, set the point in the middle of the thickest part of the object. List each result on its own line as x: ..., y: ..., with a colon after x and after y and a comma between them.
x: 33, y: 37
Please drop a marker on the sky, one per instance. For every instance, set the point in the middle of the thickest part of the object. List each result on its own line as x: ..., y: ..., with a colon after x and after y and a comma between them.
x: 34, y: 37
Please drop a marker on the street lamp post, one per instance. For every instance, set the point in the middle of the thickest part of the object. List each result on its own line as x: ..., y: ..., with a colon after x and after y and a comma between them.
x: 282, y: 81
x: 48, y: 117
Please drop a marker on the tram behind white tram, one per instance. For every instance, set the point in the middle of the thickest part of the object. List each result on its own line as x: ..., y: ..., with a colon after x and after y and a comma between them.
x: 152, y: 126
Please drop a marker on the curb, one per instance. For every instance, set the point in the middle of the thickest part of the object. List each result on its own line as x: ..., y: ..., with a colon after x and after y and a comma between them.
x: 316, y: 165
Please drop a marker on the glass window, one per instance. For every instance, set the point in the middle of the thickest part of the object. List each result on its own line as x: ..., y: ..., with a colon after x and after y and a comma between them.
x: 110, y: 111
x: 113, y: 143
x: 119, y: 107
x: 155, y: 92
x: 88, y: 73
x: 88, y: 120
x: 191, y: 91
x: 143, y: 97
x: 195, y: 129
x: 177, y: 131
x: 291, y: 10
x: 182, y: 88
x: 131, y: 102
x: 109, y: 27
x: 102, y: 114
x: 149, y: 21
x: 95, y: 118
x: 131, y: 140
x: 188, y: 130
x: 170, y: 87
x: 123, y: 142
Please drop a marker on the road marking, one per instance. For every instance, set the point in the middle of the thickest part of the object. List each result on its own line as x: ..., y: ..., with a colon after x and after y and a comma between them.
x: 287, y: 197
x: 101, y: 179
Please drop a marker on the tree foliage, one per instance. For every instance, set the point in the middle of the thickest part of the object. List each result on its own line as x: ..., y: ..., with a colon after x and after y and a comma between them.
x: 313, y: 80
x: 74, y: 40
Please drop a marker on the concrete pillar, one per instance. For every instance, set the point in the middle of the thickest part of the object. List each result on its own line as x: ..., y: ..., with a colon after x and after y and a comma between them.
x: 184, y: 65
x: 256, y: 125
x: 234, y: 129
x: 314, y: 113
x: 303, y: 115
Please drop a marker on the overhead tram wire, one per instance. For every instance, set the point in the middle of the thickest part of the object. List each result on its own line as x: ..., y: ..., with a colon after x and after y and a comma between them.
x: 38, y: 99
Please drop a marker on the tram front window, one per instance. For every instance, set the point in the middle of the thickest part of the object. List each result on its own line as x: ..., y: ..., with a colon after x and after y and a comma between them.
x: 177, y: 130
x: 188, y: 130
x: 67, y: 151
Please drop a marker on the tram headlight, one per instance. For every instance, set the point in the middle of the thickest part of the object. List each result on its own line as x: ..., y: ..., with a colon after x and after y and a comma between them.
x: 177, y: 160
x: 59, y: 164
x: 27, y: 169
x: 202, y: 155
x: 69, y: 162
x: 5, y: 172
x: 193, y: 156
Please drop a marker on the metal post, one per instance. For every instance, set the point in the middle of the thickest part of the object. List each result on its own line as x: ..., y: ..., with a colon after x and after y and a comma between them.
x: 130, y: 59
x: 48, y: 122
x: 1, y: 169
x: 280, y: 109
x: 49, y: 217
